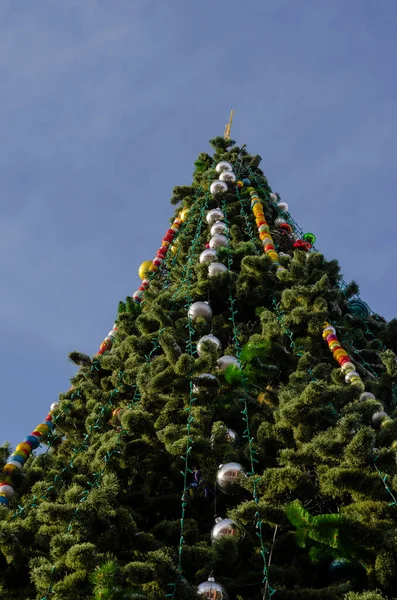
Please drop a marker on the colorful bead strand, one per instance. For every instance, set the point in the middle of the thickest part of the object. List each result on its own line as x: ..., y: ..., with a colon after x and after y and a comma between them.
x: 340, y: 355
x: 161, y: 253
x: 264, y: 230
x: 20, y: 456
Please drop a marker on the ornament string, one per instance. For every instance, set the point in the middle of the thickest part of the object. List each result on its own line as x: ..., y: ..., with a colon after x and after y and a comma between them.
x: 269, y: 590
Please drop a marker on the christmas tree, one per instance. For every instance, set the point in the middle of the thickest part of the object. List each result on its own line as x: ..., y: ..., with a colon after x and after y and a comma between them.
x: 234, y: 436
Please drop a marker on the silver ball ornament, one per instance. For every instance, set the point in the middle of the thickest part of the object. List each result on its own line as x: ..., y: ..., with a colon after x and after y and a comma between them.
x: 216, y: 268
x: 229, y: 476
x: 53, y: 406
x: 200, y: 309
x: 224, y: 527
x: 218, y: 187
x: 378, y: 417
x: 218, y: 240
x: 273, y: 197
x: 367, y: 396
x: 349, y: 376
x: 232, y: 436
x: 207, y: 256
x: 206, y: 382
x: 212, y: 590
x: 283, y: 206
x: 208, y: 339
x: 347, y: 366
x: 222, y: 166
x: 227, y: 176
x: 225, y: 361
x: 216, y: 214
x: 219, y: 227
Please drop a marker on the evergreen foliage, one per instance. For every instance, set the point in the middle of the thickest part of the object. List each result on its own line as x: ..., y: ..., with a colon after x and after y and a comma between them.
x: 123, y: 503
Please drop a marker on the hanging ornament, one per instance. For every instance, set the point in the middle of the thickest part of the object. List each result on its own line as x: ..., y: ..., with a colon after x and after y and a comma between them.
x: 231, y: 436
x: 283, y: 206
x: 216, y: 268
x: 216, y: 214
x: 207, y: 256
x: 218, y: 187
x: 212, y: 590
x: 208, y: 339
x: 226, y: 361
x: 223, y: 166
x: 219, y: 227
x: 246, y: 182
x: 239, y: 185
x: 227, y: 176
x: 205, y: 383
x: 144, y: 269
x: 339, y: 568
x: 273, y: 197
x: 359, y: 308
x: 378, y: 417
x: 226, y: 527
x: 301, y: 245
x: 229, y: 476
x: 309, y: 237
x: 367, y: 396
x: 183, y: 215
x: 200, y: 309
x: 218, y: 240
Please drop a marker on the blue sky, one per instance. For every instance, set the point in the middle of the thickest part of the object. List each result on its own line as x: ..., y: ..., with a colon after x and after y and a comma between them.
x: 104, y: 107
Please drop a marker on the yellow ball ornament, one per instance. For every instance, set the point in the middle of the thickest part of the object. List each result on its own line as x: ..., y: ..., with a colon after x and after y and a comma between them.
x: 144, y: 269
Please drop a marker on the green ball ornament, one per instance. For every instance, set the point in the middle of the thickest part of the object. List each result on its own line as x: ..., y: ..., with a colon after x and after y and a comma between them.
x: 309, y: 237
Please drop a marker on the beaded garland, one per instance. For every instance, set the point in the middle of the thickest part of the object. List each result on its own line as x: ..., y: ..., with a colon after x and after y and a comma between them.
x: 160, y: 255
x: 20, y: 456
x: 264, y: 230
x: 351, y: 376
x: 341, y: 356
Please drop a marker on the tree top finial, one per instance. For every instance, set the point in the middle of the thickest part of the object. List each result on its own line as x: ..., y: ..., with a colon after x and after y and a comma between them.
x: 228, y: 127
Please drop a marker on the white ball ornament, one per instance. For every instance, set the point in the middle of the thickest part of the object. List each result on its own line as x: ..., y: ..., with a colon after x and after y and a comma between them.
x: 7, y: 490
x: 378, y: 417
x: 200, y: 309
x: 53, y: 406
x: 208, y: 339
x: 219, y: 227
x: 225, y: 527
x: 207, y: 256
x: 218, y: 187
x: 212, y: 590
x: 216, y: 214
x: 226, y: 361
x: 216, y: 268
x: 222, y: 166
x: 229, y: 476
x: 283, y: 206
x: 218, y: 240
x: 227, y: 176
x: 273, y: 196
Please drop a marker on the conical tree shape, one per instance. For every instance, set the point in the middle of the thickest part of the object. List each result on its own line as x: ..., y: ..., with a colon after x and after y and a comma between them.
x: 123, y: 503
